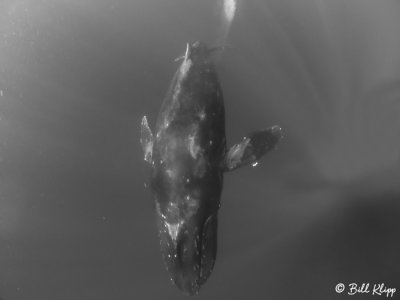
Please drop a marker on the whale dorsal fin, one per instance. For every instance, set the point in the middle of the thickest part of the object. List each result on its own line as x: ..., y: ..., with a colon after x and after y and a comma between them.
x: 146, y: 140
x: 251, y: 148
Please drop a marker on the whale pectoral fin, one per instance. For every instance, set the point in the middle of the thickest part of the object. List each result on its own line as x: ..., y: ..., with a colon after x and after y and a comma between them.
x: 146, y: 140
x: 252, y: 148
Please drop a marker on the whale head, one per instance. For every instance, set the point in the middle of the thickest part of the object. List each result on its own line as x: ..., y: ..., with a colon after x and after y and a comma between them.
x: 199, y: 52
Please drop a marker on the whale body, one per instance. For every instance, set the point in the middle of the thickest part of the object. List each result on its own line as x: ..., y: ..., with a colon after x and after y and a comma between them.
x: 188, y: 157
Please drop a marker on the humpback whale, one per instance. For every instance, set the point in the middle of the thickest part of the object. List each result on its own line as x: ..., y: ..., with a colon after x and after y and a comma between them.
x: 188, y: 157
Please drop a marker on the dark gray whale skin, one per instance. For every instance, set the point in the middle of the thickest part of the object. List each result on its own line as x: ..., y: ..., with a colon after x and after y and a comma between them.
x: 188, y: 156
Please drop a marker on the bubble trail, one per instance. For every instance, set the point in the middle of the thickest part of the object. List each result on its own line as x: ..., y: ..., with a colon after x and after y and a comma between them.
x: 228, y: 11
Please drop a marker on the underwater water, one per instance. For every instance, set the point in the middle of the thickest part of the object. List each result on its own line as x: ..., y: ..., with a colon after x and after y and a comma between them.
x: 76, y: 77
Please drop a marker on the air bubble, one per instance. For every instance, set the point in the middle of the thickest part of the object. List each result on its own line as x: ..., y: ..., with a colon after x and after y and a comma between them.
x: 254, y: 164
